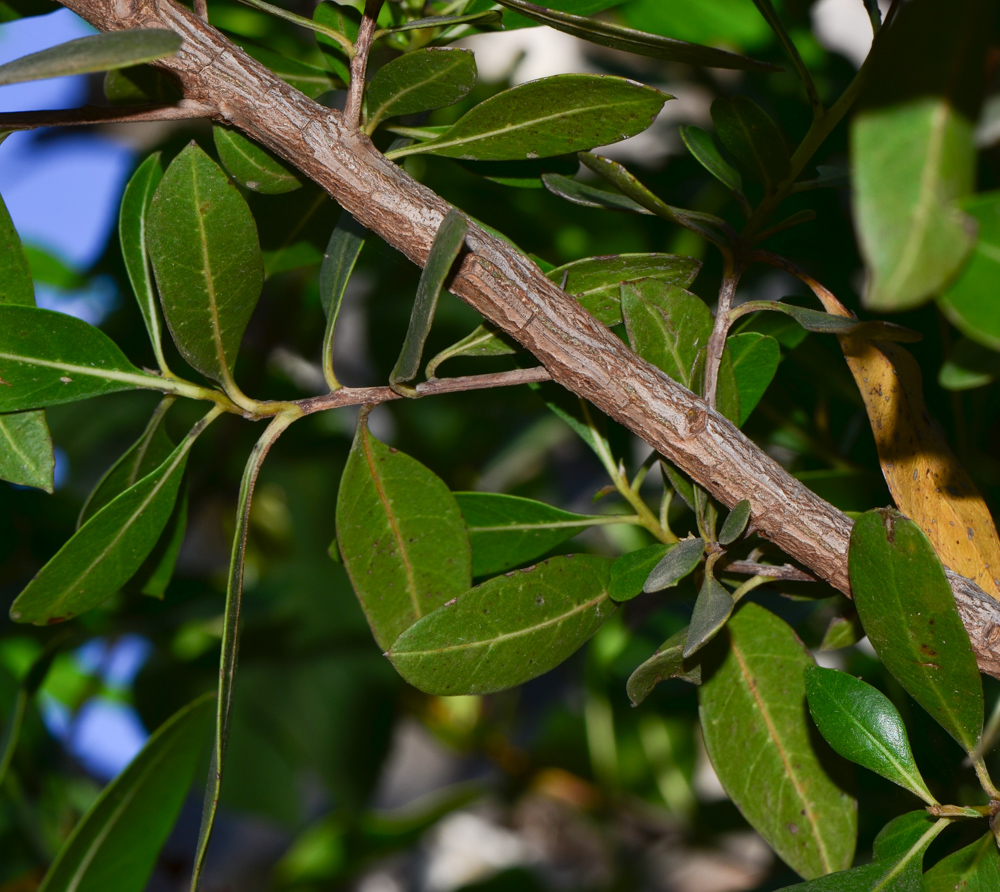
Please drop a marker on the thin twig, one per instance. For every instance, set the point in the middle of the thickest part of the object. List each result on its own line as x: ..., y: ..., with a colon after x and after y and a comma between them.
x: 785, y: 572
x: 359, y: 64
x: 184, y: 110
x: 200, y: 8
x: 717, y: 340
x: 357, y: 396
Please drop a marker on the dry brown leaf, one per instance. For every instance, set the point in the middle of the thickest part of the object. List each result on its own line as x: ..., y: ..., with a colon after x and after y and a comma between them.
x: 926, y: 480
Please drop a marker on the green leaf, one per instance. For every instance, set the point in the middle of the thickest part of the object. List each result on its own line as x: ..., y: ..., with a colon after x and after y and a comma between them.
x: 483, y: 340
x: 908, y: 611
x: 508, y: 530
x: 47, y: 358
x: 913, y: 151
x: 209, y: 270
x: 676, y: 564
x: 16, y: 287
x: 711, y: 611
x: 132, y: 221
x: 104, y: 553
x: 680, y: 484
x: 755, y: 360
x: 829, y: 323
x: 630, y: 41
x: 252, y: 165
x: 306, y: 78
x: 508, y: 630
x: 340, y: 18
x: 596, y: 281
x: 116, y: 843
x: 342, y: 252
x: 401, y: 535
x: 483, y: 20
x: 969, y: 302
x: 748, y: 132
x: 728, y: 22
x: 590, y: 196
x: 445, y: 249
x: 735, y: 523
x: 665, y: 664
x: 522, y: 174
x: 752, y: 708
x: 969, y: 365
x: 139, y: 85
x: 420, y: 81
x: 843, y: 631
x: 899, y: 858
x: 99, y: 52
x: 976, y: 868
x: 552, y: 116
x: 630, y: 572
x: 46, y: 267
x: 700, y: 144
x: 862, y: 725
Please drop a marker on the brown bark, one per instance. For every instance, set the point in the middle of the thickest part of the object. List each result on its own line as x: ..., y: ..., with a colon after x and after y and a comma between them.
x: 510, y: 291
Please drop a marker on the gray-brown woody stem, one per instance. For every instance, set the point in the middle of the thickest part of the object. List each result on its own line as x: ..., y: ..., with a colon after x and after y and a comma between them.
x: 508, y: 289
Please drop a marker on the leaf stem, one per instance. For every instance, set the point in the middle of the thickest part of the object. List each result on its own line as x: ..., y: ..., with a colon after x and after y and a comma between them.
x: 303, y: 22
x: 230, y: 634
x: 359, y: 63
x: 732, y: 270
x: 985, y: 781
x: 767, y: 10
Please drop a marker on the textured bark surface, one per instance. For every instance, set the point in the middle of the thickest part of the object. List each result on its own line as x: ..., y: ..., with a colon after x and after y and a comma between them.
x: 510, y: 291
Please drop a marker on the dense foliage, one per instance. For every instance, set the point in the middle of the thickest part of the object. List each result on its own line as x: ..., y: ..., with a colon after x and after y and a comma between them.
x: 572, y: 625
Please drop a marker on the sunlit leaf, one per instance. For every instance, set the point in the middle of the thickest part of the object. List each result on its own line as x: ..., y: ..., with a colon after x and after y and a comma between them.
x: 552, y: 116
x: 401, y: 535
x: 862, y: 725
x: 908, y: 610
x: 252, y: 165
x: 665, y: 664
x: 752, y: 708
x: 99, y: 52
x: 209, y: 270
x: 507, y: 630
x: 117, y: 842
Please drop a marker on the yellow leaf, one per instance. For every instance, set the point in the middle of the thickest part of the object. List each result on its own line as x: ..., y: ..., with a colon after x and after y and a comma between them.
x: 926, y: 480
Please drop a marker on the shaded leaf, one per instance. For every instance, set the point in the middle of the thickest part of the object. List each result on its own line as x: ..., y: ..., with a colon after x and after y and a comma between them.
x: 755, y: 360
x: 141, y: 84
x: 862, y: 725
x: 752, y: 713
x: 552, y: 116
x: 976, y: 868
x: 447, y: 245
x: 680, y: 484
x: 508, y: 630
x: 590, y: 196
x: 342, y: 252
x: 913, y: 151
x: 401, y: 535
x: 969, y: 365
x: 677, y: 563
x: 754, y: 139
x: 104, y: 553
x: 306, y: 78
x: 908, y: 611
x: 484, y: 340
x: 843, y: 631
x: 665, y: 664
x: 99, y: 52
x: 116, y: 843
x: 420, y: 81
x: 509, y: 530
x: 252, y: 165
x: 482, y: 20
x: 630, y: 572
x: 700, y: 144
x: 209, y: 270
x: 735, y: 523
x: 630, y: 41
x: 833, y: 323
x: 47, y: 358
x: 714, y: 606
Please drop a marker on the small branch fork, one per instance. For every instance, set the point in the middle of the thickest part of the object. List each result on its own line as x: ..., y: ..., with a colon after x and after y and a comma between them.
x: 359, y: 63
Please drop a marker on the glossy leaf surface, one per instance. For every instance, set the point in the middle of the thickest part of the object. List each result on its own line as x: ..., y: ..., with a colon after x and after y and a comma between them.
x: 117, y: 842
x: 700, y: 144
x: 630, y: 572
x: 420, y: 81
x: 99, y: 52
x: 508, y: 630
x: 908, y: 611
x: 552, y: 116
x: 509, y: 530
x: 401, y: 535
x: 630, y: 41
x: 755, y: 359
x: 861, y: 724
x: 47, y: 358
x: 252, y: 165
x: 209, y: 269
x: 913, y: 153
x: 976, y: 868
x: 753, y: 138
x: 752, y: 708
x: 665, y: 664
x: 104, y: 553
x: 675, y: 565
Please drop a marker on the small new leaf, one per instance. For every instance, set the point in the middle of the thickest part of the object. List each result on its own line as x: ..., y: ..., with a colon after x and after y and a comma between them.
x: 666, y: 663
x: 675, y: 565
x: 735, y: 523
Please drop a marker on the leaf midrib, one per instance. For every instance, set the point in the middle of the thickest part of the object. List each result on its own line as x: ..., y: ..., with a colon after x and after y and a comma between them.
x: 137, y: 378
x: 394, y: 98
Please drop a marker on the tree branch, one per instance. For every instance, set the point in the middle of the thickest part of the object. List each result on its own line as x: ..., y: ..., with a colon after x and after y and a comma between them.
x: 100, y: 114
x: 509, y: 290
